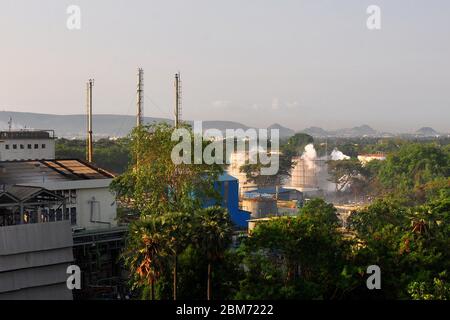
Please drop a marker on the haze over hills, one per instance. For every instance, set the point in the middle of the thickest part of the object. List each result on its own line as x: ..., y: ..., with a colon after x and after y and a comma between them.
x: 105, y: 125
x: 427, y: 132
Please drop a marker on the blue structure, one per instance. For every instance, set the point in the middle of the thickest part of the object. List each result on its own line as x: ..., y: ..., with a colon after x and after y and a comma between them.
x: 228, y: 187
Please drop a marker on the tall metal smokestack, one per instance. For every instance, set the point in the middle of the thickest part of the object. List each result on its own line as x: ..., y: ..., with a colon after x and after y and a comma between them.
x: 89, y: 146
x: 140, y: 97
x: 177, y: 100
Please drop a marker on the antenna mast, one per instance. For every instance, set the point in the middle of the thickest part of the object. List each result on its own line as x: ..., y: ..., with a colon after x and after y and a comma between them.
x: 177, y: 99
x: 89, y: 146
x: 140, y: 97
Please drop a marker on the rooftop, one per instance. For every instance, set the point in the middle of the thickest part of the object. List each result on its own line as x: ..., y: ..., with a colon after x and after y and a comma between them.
x: 27, y: 134
x: 36, y: 171
x: 10, y: 194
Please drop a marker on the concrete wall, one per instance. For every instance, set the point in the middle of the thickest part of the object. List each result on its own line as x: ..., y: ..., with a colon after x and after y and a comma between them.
x: 34, y: 260
x: 100, y: 204
x: 27, y: 154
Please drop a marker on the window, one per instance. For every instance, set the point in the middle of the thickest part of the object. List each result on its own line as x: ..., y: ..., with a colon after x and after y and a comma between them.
x: 43, y: 146
x: 29, y: 146
x: 22, y: 147
x: 36, y: 146
x: 14, y: 146
x: 7, y: 146
x: 73, y: 216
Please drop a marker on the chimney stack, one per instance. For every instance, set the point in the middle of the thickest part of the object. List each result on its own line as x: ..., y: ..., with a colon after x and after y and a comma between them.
x: 140, y: 97
x: 90, y: 146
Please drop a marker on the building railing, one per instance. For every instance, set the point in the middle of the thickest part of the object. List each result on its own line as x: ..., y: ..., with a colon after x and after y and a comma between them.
x: 28, y: 134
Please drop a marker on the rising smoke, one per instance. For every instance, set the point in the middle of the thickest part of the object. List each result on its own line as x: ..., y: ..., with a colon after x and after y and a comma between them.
x: 337, y: 155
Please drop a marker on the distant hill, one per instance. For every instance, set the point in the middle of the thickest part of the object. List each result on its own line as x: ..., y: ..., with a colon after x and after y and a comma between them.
x: 427, y: 132
x: 284, y: 132
x: 360, y: 131
x: 74, y: 126
x: 316, y: 132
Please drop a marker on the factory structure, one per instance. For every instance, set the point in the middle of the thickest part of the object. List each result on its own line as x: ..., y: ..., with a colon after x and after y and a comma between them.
x: 56, y: 212
x: 309, y: 175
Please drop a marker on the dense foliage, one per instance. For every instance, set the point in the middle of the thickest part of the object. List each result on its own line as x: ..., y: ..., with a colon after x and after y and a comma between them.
x: 178, y: 249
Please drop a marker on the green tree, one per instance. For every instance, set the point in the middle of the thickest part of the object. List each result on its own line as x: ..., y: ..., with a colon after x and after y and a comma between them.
x: 302, y: 257
x: 213, y: 231
x: 407, y: 171
x: 145, y: 252
x: 345, y: 172
x: 154, y: 184
x: 178, y: 228
x: 295, y: 145
x: 157, y: 188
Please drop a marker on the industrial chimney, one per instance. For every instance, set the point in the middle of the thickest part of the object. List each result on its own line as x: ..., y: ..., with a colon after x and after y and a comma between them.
x: 140, y: 97
x: 177, y: 100
x: 89, y: 145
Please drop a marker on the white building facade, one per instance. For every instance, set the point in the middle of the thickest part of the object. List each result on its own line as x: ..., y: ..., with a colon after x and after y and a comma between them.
x: 27, y: 145
x: 89, y: 203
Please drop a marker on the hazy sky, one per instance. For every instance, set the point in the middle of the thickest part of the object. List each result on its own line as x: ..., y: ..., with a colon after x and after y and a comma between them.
x: 298, y: 63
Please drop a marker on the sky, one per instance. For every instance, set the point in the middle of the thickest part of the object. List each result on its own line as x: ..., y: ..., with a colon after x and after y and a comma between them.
x: 299, y: 63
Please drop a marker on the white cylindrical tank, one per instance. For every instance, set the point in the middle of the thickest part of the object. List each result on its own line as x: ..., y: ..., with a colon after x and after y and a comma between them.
x: 260, y: 206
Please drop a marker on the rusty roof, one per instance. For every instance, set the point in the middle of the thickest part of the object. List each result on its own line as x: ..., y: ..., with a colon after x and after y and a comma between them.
x: 36, y: 171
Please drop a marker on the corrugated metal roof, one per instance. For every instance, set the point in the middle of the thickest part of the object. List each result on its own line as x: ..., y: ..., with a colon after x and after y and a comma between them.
x: 37, y: 171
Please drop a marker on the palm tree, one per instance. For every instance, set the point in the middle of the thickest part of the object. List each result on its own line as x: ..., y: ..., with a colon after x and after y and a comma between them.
x: 177, y: 226
x: 212, y: 236
x: 144, y: 252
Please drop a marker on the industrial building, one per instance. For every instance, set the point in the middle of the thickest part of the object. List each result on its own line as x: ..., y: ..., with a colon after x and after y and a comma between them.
x: 27, y: 145
x: 34, y: 260
x: 228, y: 187
x: 69, y: 197
x: 237, y: 160
x: 260, y: 205
x: 89, y: 204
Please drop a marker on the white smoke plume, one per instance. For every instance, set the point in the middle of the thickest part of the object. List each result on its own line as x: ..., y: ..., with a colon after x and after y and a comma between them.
x: 337, y: 155
x: 309, y: 156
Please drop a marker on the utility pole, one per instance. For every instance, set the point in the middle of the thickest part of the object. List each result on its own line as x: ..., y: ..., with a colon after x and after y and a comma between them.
x: 177, y: 100
x: 140, y: 97
x: 89, y: 146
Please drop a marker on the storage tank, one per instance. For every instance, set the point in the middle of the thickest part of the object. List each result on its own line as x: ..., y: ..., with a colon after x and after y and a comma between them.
x: 238, y: 159
x: 260, y: 205
x: 303, y: 175
x: 309, y: 174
